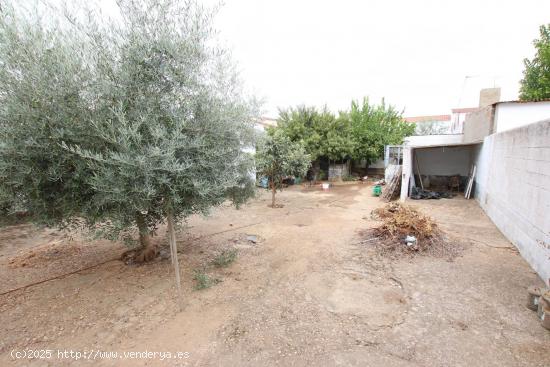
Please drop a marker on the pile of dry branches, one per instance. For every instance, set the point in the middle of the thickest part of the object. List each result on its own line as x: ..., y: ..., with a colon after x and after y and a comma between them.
x: 400, y: 221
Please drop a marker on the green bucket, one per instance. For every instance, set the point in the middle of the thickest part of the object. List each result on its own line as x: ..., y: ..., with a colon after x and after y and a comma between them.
x: 377, y: 190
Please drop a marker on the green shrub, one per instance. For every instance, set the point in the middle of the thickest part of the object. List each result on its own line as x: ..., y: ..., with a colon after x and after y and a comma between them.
x: 203, y: 280
x: 225, y: 258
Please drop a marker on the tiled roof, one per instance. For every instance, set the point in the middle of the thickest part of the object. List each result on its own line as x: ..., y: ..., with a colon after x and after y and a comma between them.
x: 541, y: 100
x: 464, y: 110
x: 428, y: 118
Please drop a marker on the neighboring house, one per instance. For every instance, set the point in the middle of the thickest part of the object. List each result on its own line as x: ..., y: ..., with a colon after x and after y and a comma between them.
x: 261, y: 125
x: 441, y: 124
x: 431, y: 125
x: 509, y: 145
x: 265, y: 122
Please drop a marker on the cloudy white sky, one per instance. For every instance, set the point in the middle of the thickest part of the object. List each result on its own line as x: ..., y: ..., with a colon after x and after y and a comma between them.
x: 424, y: 56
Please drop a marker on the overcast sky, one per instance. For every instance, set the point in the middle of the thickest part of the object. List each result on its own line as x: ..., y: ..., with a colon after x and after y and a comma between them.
x: 424, y: 56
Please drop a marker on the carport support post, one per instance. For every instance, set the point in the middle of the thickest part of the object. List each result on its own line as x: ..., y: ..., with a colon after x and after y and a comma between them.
x: 406, y: 174
x: 174, y: 256
x: 418, y: 170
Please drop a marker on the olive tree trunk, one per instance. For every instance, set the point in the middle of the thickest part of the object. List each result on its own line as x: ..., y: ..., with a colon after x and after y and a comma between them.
x: 273, y: 192
x: 174, y: 256
x: 148, y: 251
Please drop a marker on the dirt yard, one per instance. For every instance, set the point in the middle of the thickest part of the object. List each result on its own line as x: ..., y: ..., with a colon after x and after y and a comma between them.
x: 306, y: 293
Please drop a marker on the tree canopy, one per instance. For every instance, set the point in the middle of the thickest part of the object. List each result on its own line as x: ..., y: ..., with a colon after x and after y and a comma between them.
x: 278, y: 157
x: 320, y: 131
x: 360, y: 133
x: 535, y: 84
x: 119, y: 123
x: 374, y: 126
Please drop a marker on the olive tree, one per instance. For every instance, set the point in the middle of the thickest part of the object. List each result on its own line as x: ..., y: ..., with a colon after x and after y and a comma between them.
x: 278, y: 157
x: 120, y: 124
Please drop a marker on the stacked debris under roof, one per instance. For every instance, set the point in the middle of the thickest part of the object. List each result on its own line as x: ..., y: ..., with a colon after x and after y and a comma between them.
x: 393, y: 188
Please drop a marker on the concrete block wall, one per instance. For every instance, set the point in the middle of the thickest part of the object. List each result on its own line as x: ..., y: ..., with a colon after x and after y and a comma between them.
x: 513, y: 187
x: 338, y: 170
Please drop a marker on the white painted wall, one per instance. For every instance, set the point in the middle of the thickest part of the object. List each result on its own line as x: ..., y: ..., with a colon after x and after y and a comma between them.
x: 481, y: 158
x: 510, y: 115
x: 432, y: 140
x: 513, y: 187
x: 377, y: 164
x: 444, y: 161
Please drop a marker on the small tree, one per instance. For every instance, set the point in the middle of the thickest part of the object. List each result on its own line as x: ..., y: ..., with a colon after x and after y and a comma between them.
x: 374, y: 126
x: 535, y: 84
x: 121, y: 124
x: 278, y: 157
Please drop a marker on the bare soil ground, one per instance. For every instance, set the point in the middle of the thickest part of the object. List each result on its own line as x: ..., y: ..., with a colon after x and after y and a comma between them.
x: 306, y: 293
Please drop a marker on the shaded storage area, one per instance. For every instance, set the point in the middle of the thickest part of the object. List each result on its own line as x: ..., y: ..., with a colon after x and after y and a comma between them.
x: 442, y: 169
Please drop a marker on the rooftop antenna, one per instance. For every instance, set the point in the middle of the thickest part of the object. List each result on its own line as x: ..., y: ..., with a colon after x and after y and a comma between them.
x: 471, y: 77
